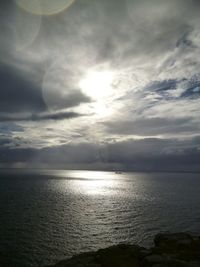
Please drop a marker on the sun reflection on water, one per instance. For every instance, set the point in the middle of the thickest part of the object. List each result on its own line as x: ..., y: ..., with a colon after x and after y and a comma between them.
x: 94, y: 187
x: 93, y: 182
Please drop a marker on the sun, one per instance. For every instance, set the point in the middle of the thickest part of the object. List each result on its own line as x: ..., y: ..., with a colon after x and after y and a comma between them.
x: 97, y: 84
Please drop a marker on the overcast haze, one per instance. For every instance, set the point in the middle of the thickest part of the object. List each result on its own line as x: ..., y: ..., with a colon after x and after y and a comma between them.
x: 100, y: 84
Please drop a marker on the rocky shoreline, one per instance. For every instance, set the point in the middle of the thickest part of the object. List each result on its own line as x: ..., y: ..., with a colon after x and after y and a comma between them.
x: 169, y: 250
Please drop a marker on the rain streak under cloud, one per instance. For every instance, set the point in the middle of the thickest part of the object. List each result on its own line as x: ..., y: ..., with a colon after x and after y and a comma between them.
x: 100, y: 84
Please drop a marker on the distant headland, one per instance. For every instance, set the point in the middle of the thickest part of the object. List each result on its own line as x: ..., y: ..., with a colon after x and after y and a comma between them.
x: 169, y: 250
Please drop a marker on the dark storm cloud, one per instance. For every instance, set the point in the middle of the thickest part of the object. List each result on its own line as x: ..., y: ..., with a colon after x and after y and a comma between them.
x: 192, y: 89
x: 9, y: 155
x: 159, y: 96
x: 18, y: 94
x: 146, y: 154
x: 161, y: 89
x: 74, y: 99
x: 157, y: 154
x: 4, y: 141
x: 5, y: 45
x: 162, y: 86
x: 40, y: 116
x: 19, y: 97
x: 65, y: 99
x: 7, y: 127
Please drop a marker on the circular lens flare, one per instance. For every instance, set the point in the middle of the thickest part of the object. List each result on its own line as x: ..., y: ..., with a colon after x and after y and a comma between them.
x: 26, y: 28
x: 44, y: 7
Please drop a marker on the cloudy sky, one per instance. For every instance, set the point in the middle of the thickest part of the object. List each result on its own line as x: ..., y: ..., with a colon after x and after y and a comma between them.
x: 100, y: 84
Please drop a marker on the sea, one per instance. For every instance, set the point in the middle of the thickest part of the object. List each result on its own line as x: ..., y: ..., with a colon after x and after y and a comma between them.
x: 50, y: 215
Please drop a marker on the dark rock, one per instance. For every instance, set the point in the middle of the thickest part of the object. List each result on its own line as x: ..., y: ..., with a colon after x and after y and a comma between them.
x: 170, y: 250
x: 145, y: 252
x: 167, y: 238
x: 154, y: 258
x: 194, y: 264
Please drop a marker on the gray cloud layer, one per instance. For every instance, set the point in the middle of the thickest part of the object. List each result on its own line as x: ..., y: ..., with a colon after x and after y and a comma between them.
x: 154, y: 126
x: 40, y: 116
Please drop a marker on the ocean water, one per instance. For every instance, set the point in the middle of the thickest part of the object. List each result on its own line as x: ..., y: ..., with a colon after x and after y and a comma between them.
x: 46, y: 216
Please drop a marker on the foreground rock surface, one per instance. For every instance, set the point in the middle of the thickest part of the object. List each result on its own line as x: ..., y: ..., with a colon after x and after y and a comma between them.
x: 170, y: 250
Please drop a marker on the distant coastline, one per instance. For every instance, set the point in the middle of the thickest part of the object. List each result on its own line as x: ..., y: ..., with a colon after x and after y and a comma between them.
x: 100, y: 170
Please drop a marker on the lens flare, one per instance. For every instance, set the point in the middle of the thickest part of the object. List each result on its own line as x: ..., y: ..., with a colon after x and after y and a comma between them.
x: 26, y: 28
x: 44, y: 7
x: 58, y: 89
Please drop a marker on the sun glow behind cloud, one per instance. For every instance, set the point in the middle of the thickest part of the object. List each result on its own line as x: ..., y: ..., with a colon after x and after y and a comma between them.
x: 97, y: 84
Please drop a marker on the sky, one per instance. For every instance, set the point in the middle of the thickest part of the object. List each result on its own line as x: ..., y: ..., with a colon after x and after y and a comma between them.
x: 100, y: 84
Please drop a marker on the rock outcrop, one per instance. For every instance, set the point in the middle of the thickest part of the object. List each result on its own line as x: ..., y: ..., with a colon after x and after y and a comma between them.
x: 170, y: 250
